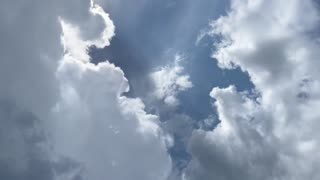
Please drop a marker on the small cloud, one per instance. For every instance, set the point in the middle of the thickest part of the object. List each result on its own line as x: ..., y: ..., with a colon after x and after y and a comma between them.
x: 169, y: 81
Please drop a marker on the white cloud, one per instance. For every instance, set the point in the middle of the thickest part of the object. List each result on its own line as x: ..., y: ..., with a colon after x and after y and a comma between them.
x: 169, y: 81
x: 107, y: 33
x: 94, y: 125
x: 276, y: 135
x: 78, y: 47
x: 87, y: 130
x: 108, y: 133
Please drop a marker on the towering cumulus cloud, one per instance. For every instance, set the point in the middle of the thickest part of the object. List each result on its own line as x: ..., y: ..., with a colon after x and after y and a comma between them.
x: 61, y: 116
x: 272, y: 134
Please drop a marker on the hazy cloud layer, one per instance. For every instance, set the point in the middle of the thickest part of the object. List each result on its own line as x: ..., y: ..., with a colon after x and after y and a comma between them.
x: 273, y: 133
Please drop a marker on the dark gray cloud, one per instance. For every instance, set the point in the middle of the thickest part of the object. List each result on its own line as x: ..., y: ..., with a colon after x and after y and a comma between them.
x: 20, y: 157
x: 25, y: 152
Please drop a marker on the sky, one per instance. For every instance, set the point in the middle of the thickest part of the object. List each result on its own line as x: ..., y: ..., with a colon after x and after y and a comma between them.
x: 159, y: 90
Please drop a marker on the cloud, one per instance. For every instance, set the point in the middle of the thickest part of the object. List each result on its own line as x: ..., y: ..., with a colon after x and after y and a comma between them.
x: 89, y: 95
x: 169, y: 81
x: 82, y: 130
x: 68, y: 118
x: 77, y: 47
x: 271, y: 134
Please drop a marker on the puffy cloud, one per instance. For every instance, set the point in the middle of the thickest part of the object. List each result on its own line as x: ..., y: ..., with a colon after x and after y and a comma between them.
x: 108, y: 133
x: 63, y: 117
x: 94, y: 125
x: 271, y: 134
x: 169, y: 81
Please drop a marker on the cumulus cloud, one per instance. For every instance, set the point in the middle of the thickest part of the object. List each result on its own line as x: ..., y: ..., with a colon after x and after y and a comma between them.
x: 169, y: 81
x: 272, y: 134
x: 61, y: 116
x: 108, y: 133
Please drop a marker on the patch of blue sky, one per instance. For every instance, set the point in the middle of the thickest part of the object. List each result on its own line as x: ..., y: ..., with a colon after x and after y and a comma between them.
x: 150, y: 33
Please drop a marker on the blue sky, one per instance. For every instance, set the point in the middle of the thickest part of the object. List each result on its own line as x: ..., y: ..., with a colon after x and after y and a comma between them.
x: 151, y: 34
x: 159, y: 90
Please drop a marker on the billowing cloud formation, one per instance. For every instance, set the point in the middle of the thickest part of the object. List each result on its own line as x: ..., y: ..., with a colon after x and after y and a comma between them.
x: 273, y: 133
x: 169, y: 81
x: 108, y: 133
x: 61, y: 116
